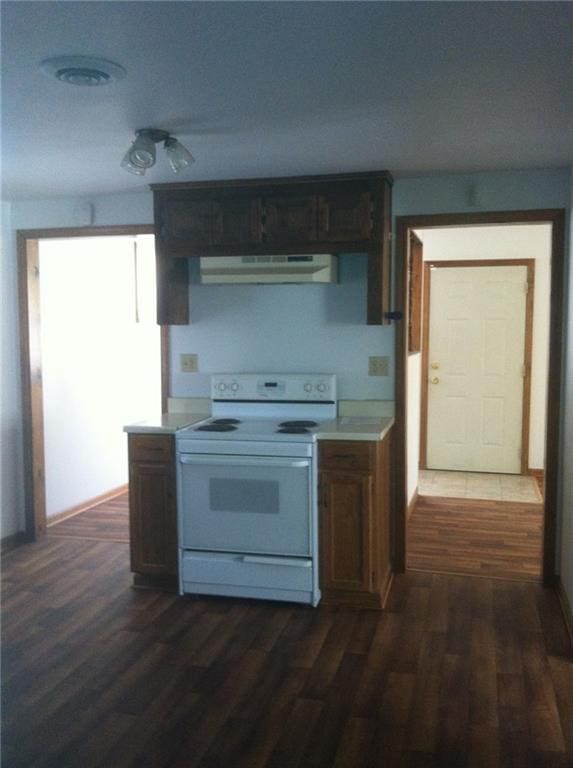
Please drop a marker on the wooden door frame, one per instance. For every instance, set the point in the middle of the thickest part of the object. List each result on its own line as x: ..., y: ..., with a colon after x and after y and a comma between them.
x: 31, y: 360
x: 529, y: 264
x: 556, y: 218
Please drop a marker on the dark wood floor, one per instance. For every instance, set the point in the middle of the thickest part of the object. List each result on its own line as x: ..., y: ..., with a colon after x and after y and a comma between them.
x: 486, y: 538
x: 107, y: 521
x: 475, y: 673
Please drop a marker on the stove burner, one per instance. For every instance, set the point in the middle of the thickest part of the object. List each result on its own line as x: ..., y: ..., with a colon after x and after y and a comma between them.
x: 216, y: 428
x: 298, y: 423
x: 225, y: 421
x: 294, y: 430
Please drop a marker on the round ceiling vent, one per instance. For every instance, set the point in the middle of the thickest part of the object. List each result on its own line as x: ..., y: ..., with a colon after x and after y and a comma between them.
x: 83, y: 70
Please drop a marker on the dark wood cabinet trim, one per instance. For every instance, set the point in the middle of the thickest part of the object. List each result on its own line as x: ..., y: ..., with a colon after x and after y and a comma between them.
x: 315, y: 224
x: 276, y: 181
x: 415, y: 294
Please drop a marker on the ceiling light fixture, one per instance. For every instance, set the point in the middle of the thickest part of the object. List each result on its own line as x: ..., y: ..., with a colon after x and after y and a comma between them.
x: 83, y: 70
x: 141, y: 155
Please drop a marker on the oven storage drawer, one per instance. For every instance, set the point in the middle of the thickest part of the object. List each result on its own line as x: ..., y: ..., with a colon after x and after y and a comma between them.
x: 241, y: 575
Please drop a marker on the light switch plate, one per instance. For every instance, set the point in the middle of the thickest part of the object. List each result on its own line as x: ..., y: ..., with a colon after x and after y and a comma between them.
x: 189, y: 363
x: 379, y: 365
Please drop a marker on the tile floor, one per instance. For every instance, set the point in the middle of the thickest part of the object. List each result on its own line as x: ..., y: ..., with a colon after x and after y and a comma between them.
x: 478, y: 485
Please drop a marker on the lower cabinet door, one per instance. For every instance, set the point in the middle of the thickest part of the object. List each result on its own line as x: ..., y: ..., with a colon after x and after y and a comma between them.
x: 346, y: 531
x: 153, y: 518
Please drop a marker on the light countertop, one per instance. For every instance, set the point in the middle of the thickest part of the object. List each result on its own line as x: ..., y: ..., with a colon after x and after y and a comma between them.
x: 165, y: 423
x: 356, y: 428
x: 343, y: 428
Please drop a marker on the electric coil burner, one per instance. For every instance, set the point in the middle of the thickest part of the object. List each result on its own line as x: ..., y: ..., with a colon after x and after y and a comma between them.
x: 247, y: 488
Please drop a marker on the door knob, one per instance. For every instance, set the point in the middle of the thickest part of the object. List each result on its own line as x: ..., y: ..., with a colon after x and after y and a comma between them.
x: 435, y: 366
x: 435, y: 380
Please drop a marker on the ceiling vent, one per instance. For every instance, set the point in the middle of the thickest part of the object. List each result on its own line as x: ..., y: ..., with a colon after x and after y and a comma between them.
x: 83, y: 70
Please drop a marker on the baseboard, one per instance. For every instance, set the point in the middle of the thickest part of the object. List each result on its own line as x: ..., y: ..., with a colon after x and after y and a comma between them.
x: 14, y: 540
x: 539, y: 476
x: 72, y: 511
x: 565, y: 608
x: 412, y: 504
x: 537, y: 473
x: 163, y: 583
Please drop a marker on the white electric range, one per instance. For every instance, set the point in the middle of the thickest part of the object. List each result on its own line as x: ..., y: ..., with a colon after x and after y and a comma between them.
x: 247, y: 488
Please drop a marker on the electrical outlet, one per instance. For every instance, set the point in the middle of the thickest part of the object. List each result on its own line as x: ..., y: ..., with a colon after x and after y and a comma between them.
x: 378, y: 365
x: 189, y: 363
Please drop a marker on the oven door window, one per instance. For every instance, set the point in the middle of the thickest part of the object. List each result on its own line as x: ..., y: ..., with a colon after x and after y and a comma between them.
x: 245, y: 504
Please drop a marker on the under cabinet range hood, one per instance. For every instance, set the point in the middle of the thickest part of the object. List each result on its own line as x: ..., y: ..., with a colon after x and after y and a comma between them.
x: 303, y: 268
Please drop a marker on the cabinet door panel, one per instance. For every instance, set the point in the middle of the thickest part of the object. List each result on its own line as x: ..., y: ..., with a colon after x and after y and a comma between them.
x: 345, y: 216
x: 237, y: 221
x: 153, y: 519
x: 290, y: 219
x: 346, y: 531
x: 188, y: 221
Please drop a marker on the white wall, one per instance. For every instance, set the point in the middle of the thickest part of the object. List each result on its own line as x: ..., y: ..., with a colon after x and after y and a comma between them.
x: 567, y: 442
x: 285, y: 328
x: 11, y: 469
x: 100, y: 368
x: 504, y: 190
x: 532, y: 241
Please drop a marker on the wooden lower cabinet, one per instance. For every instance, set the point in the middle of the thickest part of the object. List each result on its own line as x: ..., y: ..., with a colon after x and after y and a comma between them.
x: 354, y: 515
x: 153, y: 510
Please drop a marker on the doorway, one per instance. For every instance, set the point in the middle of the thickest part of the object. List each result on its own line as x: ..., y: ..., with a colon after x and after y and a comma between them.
x: 31, y: 336
x: 403, y: 438
x: 476, y: 365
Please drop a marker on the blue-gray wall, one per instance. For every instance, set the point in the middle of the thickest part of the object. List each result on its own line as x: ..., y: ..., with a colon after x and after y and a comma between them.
x: 319, y: 328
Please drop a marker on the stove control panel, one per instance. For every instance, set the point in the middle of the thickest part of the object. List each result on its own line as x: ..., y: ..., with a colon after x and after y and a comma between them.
x: 283, y: 387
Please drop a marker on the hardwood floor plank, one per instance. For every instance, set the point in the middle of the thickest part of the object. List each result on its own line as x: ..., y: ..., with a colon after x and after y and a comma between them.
x: 457, y: 671
x: 108, y: 521
x: 487, y: 538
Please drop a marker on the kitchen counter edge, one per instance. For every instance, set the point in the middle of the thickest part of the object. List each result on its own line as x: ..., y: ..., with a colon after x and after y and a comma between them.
x: 166, y: 424
x: 356, y: 428
x: 343, y: 428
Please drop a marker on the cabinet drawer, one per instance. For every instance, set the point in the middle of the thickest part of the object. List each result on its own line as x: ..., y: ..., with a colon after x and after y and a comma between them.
x: 150, y: 447
x: 345, y: 455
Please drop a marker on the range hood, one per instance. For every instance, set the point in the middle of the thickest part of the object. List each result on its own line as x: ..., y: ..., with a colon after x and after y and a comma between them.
x: 304, y: 268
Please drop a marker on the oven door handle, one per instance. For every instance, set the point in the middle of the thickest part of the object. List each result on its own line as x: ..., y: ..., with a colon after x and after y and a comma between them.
x: 293, y: 562
x: 243, y: 461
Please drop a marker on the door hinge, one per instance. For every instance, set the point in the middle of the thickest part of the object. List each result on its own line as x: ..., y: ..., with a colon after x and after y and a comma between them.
x: 523, y: 371
x: 526, y: 287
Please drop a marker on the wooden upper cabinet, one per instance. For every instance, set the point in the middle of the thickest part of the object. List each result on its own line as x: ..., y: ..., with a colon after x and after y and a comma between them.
x: 185, y: 222
x: 189, y: 225
x: 236, y: 220
x: 290, y: 219
x: 311, y: 214
x: 345, y: 215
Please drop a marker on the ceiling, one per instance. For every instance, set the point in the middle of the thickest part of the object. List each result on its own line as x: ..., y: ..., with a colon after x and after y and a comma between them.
x: 286, y: 88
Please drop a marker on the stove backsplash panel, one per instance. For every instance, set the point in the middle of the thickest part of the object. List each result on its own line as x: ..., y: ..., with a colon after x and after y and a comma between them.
x: 285, y: 328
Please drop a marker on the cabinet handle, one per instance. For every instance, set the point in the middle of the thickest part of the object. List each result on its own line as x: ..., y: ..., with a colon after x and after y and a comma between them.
x: 266, y: 560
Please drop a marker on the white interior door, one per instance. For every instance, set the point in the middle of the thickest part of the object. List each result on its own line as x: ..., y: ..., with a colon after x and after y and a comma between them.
x: 476, y: 368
